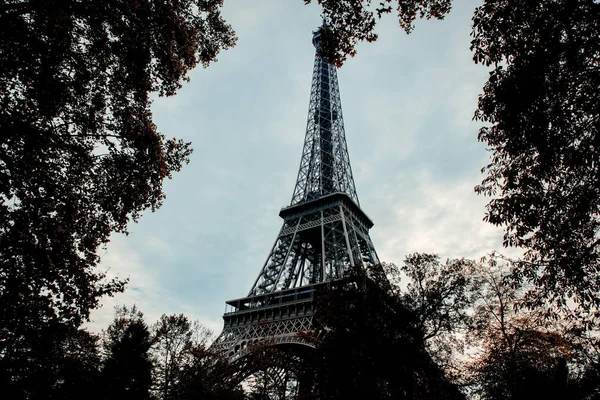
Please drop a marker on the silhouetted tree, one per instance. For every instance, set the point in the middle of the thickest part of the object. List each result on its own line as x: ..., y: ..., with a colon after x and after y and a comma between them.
x: 79, y: 153
x: 544, y: 134
x: 525, y: 364
x: 206, y: 376
x: 586, y: 386
x: 584, y: 363
x: 374, y: 347
x: 349, y: 22
x: 173, y: 344
x: 79, y: 371
x: 63, y: 363
x: 127, y: 369
x: 519, y: 354
x: 440, y: 296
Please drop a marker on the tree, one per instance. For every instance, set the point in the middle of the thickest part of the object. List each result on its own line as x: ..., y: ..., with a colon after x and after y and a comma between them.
x: 543, y: 131
x: 79, y: 369
x: 184, y: 368
x: 525, y: 364
x: 349, y: 22
x: 127, y: 369
x: 441, y: 296
x: 206, y: 375
x: 174, y: 339
x: 584, y: 364
x: 519, y: 354
x: 374, y: 347
x: 79, y: 154
x: 63, y: 363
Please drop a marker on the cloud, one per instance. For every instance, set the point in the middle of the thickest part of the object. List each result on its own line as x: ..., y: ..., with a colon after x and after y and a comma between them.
x: 123, y: 262
x: 436, y: 217
x: 408, y: 103
x: 152, y: 297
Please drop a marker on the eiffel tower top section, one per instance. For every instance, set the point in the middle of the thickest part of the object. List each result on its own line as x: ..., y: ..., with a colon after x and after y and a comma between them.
x: 325, y: 165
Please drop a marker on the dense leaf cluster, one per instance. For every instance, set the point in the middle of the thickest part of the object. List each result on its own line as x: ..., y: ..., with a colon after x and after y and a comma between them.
x: 376, y: 346
x: 79, y: 154
x: 127, y: 367
x: 543, y: 131
x: 166, y: 361
x: 350, y: 22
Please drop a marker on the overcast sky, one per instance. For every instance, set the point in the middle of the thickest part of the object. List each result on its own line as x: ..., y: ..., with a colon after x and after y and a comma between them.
x: 408, y: 103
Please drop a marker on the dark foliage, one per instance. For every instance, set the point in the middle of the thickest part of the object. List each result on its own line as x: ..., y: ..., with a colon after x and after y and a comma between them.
x: 587, y: 386
x: 349, y: 22
x: 184, y: 368
x: 127, y: 370
x: 374, y: 348
x: 62, y: 364
x: 441, y: 296
x: 172, y: 340
x: 79, y: 154
x: 519, y: 354
x: 523, y: 365
x: 543, y: 112
x: 205, y: 375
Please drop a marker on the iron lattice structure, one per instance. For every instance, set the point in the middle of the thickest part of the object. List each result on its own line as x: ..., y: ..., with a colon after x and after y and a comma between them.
x: 324, y: 232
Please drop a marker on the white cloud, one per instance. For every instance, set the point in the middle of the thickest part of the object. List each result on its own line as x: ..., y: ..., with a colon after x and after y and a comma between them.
x: 442, y: 218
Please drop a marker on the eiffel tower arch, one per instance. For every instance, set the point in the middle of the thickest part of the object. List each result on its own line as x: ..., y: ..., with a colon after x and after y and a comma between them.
x: 324, y: 234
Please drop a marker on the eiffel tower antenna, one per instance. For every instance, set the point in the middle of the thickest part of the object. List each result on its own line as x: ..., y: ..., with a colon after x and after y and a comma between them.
x: 324, y: 234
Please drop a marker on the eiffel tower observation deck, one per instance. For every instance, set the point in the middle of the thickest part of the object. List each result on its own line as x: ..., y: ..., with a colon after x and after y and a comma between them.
x: 324, y: 234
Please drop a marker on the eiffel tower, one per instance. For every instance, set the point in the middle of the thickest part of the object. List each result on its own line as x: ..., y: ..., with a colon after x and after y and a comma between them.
x: 324, y: 233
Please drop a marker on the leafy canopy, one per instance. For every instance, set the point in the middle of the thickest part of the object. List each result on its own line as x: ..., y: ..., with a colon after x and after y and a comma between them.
x: 542, y: 113
x: 79, y: 153
x: 349, y: 22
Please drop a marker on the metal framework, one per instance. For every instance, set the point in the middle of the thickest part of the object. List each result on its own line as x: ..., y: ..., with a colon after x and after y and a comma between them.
x: 324, y: 232
x: 325, y: 165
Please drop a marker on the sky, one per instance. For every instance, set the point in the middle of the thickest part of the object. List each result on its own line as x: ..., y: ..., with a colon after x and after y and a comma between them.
x: 408, y: 103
